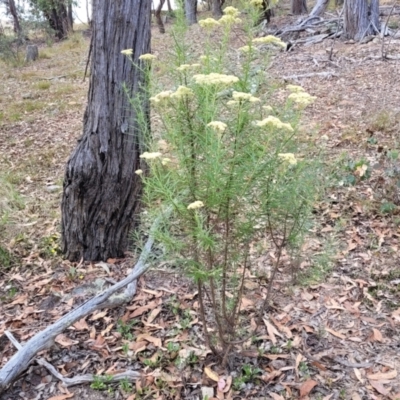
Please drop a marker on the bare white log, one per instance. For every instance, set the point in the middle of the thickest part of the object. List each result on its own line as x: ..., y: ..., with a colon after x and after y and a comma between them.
x: 327, y: 74
x: 45, y: 339
x: 76, y: 380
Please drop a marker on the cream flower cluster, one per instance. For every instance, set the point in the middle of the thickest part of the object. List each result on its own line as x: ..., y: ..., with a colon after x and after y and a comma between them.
x: 218, y: 126
x: 270, y: 39
x: 294, y: 88
x: 127, y: 52
x: 245, y: 49
x: 150, y: 156
x: 182, y: 92
x: 215, y: 79
x: 302, y: 99
x: 256, y: 3
x: 275, y: 122
x: 147, y: 57
x: 209, y: 23
x: 139, y: 172
x: 161, y: 97
x: 228, y: 20
x: 185, y: 67
x: 232, y: 11
x: 241, y: 96
x: 288, y: 157
x: 195, y: 205
x: 230, y: 17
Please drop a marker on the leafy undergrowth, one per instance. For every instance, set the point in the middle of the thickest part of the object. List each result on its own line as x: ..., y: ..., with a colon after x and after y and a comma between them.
x: 330, y: 334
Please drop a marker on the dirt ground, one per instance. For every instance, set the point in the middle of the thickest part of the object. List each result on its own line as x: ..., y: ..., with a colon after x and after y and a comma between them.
x: 333, y: 334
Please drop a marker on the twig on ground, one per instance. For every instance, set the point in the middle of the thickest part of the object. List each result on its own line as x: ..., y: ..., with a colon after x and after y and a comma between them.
x: 327, y: 74
x: 76, y: 380
x: 45, y: 338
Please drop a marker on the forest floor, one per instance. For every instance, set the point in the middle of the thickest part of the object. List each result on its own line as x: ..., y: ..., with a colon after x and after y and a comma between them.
x: 333, y: 333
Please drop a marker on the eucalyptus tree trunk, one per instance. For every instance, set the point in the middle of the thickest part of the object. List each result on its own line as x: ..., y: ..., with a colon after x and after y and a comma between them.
x: 157, y: 13
x: 298, y: 7
x: 101, y: 198
x: 216, y: 8
x: 13, y: 11
x: 191, y: 11
x: 361, y: 18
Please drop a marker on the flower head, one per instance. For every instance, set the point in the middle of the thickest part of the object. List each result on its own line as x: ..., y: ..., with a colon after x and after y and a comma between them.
x: 161, y: 97
x: 245, y: 49
x: 182, y: 91
x: 138, y: 172
x: 294, y: 88
x: 150, y: 156
x: 228, y: 20
x: 302, y: 99
x: 165, y: 161
x: 241, y: 96
x: 288, y: 157
x: 234, y: 12
x: 195, y: 205
x: 209, y: 23
x: 256, y: 3
x: 127, y: 52
x: 218, y: 126
x: 270, y: 39
x: 185, y: 67
x: 147, y: 57
x: 275, y: 122
x: 215, y: 79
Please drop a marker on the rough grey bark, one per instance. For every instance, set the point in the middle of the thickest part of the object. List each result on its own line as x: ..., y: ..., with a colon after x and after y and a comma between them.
x: 157, y: 14
x: 13, y: 11
x: 191, y: 11
x: 101, y: 196
x: 216, y: 8
x: 298, y: 7
x: 32, y: 53
x: 319, y: 8
x: 361, y: 18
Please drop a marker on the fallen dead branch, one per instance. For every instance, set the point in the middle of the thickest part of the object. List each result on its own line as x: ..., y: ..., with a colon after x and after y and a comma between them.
x: 45, y: 339
x: 76, y: 380
x: 327, y: 74
x: 319, y: 28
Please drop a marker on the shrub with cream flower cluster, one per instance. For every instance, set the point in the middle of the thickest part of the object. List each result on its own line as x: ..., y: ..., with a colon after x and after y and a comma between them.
x: 230, y: 158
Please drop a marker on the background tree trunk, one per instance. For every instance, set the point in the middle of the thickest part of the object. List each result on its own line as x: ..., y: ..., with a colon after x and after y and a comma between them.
x: 70, y: 18
x: 101, y: 196
x: 13, y: 11
x: 319, y: 8
x: 191, y: 11
x: 361, y: 18
x: 216, y: 8
x: 56, y: 13
x: 157, y: 13
x: 267, y: 12
x: 298, y: 7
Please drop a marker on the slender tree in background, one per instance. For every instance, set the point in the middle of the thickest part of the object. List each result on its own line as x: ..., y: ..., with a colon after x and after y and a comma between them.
x: 101, y: 197
x: 58, y: 13
x: 361, y: 18
x: 216, y: 8
x: 14, y: 13
x: 191, y: 11
x: 157, y: 13
x: 298, y: 7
